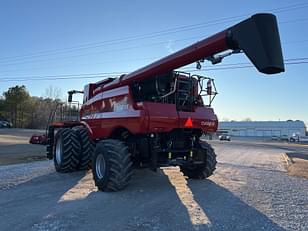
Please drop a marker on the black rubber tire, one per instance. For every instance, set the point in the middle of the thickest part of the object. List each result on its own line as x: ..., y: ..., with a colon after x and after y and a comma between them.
x: 202, y: 171
x: 70, y: 150
x: 87, y: 148
x: 118, y: 169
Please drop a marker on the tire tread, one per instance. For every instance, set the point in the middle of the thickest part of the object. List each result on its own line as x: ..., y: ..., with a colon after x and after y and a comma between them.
x: 71, y: 150
x: 120, y: 166
x: 206, y: 170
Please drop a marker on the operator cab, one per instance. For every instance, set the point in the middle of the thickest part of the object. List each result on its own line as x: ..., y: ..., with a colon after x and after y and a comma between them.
x: 180, y: 88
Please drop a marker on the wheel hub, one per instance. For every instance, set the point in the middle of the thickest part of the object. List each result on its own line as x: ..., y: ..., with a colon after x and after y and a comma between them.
x: 59, y: 151
x: 100, y: 166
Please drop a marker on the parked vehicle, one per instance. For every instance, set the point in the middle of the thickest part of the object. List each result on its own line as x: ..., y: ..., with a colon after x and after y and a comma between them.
x: 5, y: 124
x: 224, y: 137
x: 275, y: 138
x: 284, y: 138
x: 298, y: 138
x: 38, y: 139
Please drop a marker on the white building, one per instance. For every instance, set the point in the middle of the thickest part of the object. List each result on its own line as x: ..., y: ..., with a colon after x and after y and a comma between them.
x: 263, y: 128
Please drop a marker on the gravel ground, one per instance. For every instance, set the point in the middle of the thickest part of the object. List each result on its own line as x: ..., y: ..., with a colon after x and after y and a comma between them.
x: 16, y: 174
x: 250, y: 190
x: 281, y: 198
x: 265, y: 186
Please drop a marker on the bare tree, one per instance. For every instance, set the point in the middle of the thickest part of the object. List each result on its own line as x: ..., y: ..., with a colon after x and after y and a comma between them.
x: 54, y: 93
x: 247, y: 119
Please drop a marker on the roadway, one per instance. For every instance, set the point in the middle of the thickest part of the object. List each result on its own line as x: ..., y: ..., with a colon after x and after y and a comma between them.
x: 250, y: 190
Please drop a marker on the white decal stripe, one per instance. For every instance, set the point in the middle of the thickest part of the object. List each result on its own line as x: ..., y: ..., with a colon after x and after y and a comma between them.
x: 108, y: 94
x: 112, y: 115
x: 115, y: 92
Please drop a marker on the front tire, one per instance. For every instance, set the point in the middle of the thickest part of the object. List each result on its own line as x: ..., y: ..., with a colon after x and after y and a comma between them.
x: 66, y: 150
x: 111, y: 165
x: 205, y: 170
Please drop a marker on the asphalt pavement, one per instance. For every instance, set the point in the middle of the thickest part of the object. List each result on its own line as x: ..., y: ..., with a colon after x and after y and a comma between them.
x: 250, y: 190
x: 15, y: 147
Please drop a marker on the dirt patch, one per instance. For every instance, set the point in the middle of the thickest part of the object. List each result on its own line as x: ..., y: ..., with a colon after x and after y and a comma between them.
x: 9, y: 159
x: 15, y: 147
x: 298, y: 164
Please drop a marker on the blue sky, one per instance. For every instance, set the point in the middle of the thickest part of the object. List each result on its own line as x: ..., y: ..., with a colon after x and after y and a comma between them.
x: 60, y: 38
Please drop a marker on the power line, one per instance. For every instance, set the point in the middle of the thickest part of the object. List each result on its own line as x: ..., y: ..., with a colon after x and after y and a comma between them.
x: 128, y: 60
x: 9, y: 63
x: 125, y: 39
x: 43, y: 78
x: 102, y: 52
x: 145, y: 58
x: 84, y: 64
x: 293, y: 21
x: 64, y: 76
x: 115, y: 74
x: 247, y: 63
x: 16, y: 60
x: 241, y: 67
x: 150, y: 35
x: 291, y: 7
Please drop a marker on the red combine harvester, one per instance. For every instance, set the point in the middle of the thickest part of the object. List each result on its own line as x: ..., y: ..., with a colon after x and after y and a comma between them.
x: 155, y: 116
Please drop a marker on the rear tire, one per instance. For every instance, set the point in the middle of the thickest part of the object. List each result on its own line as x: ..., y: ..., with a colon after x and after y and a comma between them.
x: 202, y: 171
x: 66, y: 150
x: 87, y: 148
x: 112, y: 165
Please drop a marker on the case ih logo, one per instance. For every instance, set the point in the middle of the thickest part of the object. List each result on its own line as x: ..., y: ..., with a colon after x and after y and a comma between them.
x: 208, y: 123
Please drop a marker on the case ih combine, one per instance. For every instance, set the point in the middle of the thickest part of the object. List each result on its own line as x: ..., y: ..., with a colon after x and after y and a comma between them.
x: 155, y: 116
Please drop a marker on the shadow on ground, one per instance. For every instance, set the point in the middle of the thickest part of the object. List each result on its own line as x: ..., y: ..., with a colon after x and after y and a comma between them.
x: 302, y: 156
x: 153, y: 201
x: 27, y: 204
x: 226, y: 211
x: 167, y: 201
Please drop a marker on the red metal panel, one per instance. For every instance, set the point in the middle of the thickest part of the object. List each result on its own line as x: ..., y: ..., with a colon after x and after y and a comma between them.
x: 113, y: 109
x: 203, y: 118
x: 163, y: 117
x: 134, y: 124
